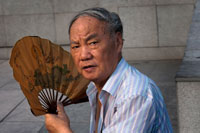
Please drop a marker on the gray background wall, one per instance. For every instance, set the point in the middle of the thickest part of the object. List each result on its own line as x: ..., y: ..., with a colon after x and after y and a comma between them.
x: 153, y: 29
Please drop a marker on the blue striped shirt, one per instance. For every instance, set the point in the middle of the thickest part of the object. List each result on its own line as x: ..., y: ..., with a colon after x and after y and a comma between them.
x: 131, y: 103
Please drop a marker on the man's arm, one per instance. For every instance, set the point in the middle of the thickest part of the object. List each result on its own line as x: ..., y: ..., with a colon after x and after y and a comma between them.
x: 58, y: 123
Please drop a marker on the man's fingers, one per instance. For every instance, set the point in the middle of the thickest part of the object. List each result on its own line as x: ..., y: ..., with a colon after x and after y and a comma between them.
x: 49, y: 117
x: 59, y: 122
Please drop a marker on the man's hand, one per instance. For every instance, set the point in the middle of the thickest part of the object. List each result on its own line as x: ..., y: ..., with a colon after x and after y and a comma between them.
x: 58, y: 123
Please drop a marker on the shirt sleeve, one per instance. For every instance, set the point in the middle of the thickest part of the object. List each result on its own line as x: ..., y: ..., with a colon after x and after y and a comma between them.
x: 135, y: 114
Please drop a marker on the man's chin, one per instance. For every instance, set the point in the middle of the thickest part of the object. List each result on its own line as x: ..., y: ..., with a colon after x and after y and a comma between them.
x: 91, y: 79
x: 90, y: 76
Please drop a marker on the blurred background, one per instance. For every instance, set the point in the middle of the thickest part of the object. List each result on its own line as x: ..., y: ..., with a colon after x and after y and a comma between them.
x: 153, y: 29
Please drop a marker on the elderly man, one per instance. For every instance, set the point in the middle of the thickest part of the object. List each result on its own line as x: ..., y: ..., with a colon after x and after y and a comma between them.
x: 122, y: 99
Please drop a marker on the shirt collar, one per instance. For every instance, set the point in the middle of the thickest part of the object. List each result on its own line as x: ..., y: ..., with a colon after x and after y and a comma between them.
x: 113, y: 82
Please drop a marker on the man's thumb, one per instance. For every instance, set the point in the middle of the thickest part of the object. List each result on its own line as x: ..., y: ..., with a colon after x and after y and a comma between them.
x: 60, y: 109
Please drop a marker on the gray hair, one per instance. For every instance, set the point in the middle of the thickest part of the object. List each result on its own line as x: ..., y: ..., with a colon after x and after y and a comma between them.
x: 112, y: 19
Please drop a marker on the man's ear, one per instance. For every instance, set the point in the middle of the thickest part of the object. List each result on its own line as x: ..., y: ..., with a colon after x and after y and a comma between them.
x: 119, y: 41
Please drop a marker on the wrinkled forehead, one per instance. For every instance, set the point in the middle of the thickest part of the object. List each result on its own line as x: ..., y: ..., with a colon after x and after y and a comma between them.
x: 85, y: 24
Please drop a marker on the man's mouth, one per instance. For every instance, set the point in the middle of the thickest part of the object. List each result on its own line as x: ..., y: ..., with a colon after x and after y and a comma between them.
x: 88, y: 68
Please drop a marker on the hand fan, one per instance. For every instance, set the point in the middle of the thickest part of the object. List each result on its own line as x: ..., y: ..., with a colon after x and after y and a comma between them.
x: 46, y: 74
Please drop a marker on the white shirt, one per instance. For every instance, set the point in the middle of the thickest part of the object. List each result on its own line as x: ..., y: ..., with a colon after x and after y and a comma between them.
x: 131, y: 103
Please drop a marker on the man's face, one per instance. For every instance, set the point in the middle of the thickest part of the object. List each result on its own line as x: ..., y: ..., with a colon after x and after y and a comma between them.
x: 95, y: 51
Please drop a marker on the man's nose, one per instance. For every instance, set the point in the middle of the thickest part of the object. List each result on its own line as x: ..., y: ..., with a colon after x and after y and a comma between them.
x: 85, y: 53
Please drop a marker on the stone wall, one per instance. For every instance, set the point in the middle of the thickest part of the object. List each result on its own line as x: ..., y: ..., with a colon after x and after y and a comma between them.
x: 188, y: 79
x: 153, y: 29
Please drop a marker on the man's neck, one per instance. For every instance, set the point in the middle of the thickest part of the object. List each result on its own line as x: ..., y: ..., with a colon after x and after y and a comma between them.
x: 99, y: 84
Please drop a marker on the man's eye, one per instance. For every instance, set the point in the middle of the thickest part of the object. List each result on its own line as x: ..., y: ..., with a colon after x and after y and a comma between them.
x: 93, y: 43
x: 75, y: 47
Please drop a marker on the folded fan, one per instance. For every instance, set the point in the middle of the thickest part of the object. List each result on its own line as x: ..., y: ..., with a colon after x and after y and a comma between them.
x: 46, y: 74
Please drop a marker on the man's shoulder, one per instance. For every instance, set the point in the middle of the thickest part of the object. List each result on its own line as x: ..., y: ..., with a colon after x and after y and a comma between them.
x: 135, y: 83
